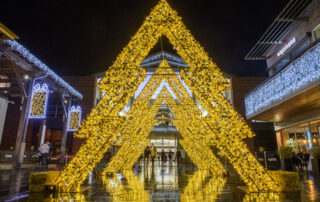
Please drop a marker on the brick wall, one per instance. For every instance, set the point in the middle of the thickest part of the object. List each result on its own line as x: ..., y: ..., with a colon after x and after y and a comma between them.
x: 265, y: 135
x: 86, y: 86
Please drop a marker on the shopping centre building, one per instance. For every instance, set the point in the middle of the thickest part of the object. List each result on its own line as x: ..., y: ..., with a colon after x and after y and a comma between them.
x: 164, y: 134
x: 290, y: 97
x: 36, y: 105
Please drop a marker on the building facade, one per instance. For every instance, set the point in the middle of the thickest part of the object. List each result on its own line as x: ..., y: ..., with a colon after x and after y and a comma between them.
x: 164, y: 134
x: 290, y: 97
x: 35, y: 104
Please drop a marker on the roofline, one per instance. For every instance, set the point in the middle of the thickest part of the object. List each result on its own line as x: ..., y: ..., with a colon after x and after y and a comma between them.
x: 278, y: 29
x: 14, y: 45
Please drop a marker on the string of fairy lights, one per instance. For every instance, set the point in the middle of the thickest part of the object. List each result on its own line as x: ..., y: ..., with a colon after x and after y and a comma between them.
x: 223, y: 127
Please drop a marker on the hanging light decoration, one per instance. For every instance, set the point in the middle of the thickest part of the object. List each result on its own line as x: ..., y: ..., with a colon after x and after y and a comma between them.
x: 39, y: 101
x: 74, y: 118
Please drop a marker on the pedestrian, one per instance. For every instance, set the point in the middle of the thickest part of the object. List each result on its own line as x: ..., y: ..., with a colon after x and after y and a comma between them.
x: 170, y: 155
x: 147, y: 154
x: 179, y: 156
x: 51, y: 148
x: 108, y: 156
x: 44, y: 150
x: 153, y: 153
x: 163, y: 156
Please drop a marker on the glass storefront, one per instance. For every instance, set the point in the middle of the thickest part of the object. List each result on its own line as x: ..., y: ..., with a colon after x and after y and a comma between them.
x: 301, y: 137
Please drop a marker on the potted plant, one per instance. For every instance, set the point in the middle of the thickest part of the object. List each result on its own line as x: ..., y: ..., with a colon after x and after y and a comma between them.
x: 315, y: 152
x: 285, y: 154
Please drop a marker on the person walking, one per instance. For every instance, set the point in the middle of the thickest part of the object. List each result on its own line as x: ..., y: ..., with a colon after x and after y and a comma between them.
x: 147, y: 154
x: 153, y: 153
x: 51, y: 148
x: 170, y: 155
x: 44, y: 150
x: 178, y: 156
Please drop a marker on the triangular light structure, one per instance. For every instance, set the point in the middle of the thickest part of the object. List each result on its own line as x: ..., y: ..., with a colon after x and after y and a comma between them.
x: 223, y: 127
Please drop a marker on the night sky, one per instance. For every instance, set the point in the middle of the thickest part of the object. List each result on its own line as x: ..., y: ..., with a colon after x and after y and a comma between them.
x: 75, y: 37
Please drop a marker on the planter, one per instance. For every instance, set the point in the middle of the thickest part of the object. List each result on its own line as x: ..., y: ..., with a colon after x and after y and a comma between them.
x: 315, y: 167
x: 286, y: 164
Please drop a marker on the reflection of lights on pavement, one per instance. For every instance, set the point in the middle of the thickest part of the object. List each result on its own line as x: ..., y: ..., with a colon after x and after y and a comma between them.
x: 198, y: 190
x: 132, y: 190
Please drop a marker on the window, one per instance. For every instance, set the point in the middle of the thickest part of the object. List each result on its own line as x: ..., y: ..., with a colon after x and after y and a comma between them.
x: 298, y: 49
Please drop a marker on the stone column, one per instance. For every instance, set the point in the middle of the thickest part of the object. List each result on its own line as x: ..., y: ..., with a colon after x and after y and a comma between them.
x: 64, y: 133
x: 42, y: 131
x: 22, y: 128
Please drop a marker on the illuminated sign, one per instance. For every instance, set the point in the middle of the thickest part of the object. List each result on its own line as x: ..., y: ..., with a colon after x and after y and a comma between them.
x: 74, y: 118
x: 286, y: 47
x: 38, y: 107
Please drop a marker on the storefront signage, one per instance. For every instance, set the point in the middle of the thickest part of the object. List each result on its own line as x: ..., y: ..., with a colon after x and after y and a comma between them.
x: 286, y: 47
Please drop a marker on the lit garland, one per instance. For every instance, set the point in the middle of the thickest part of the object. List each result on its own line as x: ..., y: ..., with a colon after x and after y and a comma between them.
x: 223, y: 127
x: 131, y: 136
x: 14, y: 45
x: 74, y: 118
x: 300, y: 74
x: 39, y: 101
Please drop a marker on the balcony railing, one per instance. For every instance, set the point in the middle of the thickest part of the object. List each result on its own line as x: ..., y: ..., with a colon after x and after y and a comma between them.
x: 297, y: 76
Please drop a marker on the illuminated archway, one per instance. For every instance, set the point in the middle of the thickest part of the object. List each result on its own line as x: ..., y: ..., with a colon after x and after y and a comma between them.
x: 223, y: 127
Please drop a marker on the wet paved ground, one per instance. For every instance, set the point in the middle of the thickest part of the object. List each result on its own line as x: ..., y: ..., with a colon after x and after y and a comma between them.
x: 161, y: 182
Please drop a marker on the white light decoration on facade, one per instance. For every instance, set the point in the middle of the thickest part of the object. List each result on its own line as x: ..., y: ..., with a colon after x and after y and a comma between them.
x: 74, y: 118
x: 300, y: 74
x: 39, y: 102
x: 14, y: 45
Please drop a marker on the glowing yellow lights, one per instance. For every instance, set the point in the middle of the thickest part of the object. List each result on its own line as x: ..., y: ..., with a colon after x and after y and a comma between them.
x: 39, y: 101
x: 222, y: 128
x: 74, y: 118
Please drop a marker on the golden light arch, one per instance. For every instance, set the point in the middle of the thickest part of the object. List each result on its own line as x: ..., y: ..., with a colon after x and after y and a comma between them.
x: 223, y: 128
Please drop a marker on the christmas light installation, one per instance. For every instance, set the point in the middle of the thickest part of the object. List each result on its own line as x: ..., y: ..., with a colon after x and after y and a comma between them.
x: 300, y: 74
x: 74, y: 118
x: 201, y: 155
x: 39, y: 101
x: 223, y: 127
